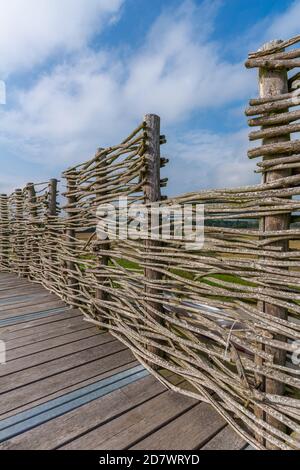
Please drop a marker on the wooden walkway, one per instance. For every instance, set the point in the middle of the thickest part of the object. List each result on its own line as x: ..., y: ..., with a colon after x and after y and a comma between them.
x: 66, y: 385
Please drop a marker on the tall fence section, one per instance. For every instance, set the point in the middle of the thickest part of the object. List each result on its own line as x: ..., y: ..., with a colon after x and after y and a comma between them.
x: 224, y: 317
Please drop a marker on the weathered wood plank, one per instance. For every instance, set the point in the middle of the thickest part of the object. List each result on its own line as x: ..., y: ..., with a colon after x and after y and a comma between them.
x: 125, y: 430
x: 12, y: 381
x: 20, y: 291
x: 46, y: 356
x: 199, y: 424
x: 48, y: 345
x: 43, y: 332
x: 226, y: 439
x: 24, y: 327
x: 55, y: 433
x: 54, y: 386
x: 38, y: 307
x: 36, y: 299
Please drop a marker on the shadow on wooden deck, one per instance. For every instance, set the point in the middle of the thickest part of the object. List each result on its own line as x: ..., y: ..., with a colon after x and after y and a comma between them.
x: 66, y: 385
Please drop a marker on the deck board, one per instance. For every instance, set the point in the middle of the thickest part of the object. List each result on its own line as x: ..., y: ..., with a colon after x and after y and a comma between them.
x: 68, y: 385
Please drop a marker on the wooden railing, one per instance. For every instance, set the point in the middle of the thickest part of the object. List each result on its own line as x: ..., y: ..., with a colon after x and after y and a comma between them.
x: 225, y: 316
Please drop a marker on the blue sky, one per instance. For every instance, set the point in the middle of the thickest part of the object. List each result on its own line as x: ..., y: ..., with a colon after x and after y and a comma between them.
x: 80, y: 74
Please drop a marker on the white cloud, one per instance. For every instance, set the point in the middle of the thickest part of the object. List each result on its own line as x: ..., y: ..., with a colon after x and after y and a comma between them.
x: 94, y: 98
x: 31, y: 30
x: 205, y: 159
x: 180, y: 69
x: 286, y: 24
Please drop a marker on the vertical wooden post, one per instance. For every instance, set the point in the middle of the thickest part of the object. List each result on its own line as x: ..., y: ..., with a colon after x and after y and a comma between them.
x: 52, y: 207
x: 31, y: 242
x: 100, y: 293
x: 52, y: 234
x: 152, y: 194
x: 5, y: 240
x: 32, y: 199
x: 19, y: 235
x: 71, y: 235
x: 273, y: 83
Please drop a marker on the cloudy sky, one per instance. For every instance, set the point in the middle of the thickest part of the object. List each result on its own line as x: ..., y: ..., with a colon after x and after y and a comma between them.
x: 80, y: 74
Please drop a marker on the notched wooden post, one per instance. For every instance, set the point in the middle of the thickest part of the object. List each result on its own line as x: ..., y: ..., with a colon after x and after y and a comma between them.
x: 72, y: 212
x: 19, y: 232
x: 101, y: 294
x: 52, y: 232
x: 152, y: 194
x: 5, y: 235
x: 31, y: 256
x: 273, y: 83
x: 52, y: 205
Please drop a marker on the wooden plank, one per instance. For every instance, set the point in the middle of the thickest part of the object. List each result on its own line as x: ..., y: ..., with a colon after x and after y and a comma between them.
x: 67, y: 427
x: 50, y: 343
x: 54, y: 386
x: 38, y: 415
x: 132, y: 426
x: 12, y: 278
x: 17, y: 282
x: 26, y: 326
x: 199, y: 424
x: 20, y: 291
x: 44, y: 357
x: 43, y: 332
x: 227, y: 439
x: 25, y: 300
x: 32, y: 316
x: 38, y: 307
x: 32, y: 374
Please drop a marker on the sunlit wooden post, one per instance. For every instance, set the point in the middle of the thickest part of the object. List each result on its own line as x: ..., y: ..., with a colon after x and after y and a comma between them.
x: 72, y: 213
x: 272, y: 83
x: 31, y: 242
x: 52, y: 205
x: 101, y: 294
x: 51, y: 227
x: 19, y: 235
x: 5, y: 238
x: 152, y: 194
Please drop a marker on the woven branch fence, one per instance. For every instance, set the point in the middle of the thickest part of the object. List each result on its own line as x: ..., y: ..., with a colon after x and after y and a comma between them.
x: 226, y: 317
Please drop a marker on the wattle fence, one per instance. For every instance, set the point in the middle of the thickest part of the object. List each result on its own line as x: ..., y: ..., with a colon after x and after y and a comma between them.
x: 226, y: 317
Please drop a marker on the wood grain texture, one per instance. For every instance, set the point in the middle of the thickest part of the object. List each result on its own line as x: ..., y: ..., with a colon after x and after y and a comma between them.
x: 226, y: 439
x: 67, y: 427
x: 275, y: 83
x: 63, y: 381
x: 197, y: 426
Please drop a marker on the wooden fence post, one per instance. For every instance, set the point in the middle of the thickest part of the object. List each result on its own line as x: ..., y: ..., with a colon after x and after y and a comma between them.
x: 52, y: 206
x: 5, y: 239
x: 52, y: 232
x: 71, y: 235
x: 152, y: 194
x: 100, y: 294
x: 273, y: 83
x: 31, y: 243
x: 19, y: 235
